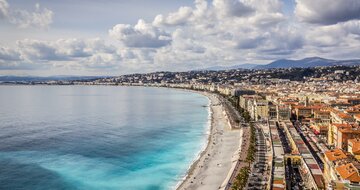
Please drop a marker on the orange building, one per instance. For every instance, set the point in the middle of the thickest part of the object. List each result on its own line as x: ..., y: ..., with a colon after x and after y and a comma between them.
x: 353, y: 110
x: 344, y: 134
x: 322, y: 116
x: 349, y: 172
x: 339, y: 134
x: 354, y: 147
x: 331, y: 158
x: 306, y: 111
x: 340, y: 170
x: 341, y: 117
x: 320, y: 128
x: 357, y: 118
x: 333, y: 132
x: 303, y: 112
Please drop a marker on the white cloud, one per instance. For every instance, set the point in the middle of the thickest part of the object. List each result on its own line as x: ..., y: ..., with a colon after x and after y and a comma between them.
x: 352, y: 27
x: 266, y: 6
x: 102, y: 61
x: 327, y: 12
x: 232, y: 8
x: 7, y: 54
x: 24, y: 19
x: 176, y: 18
x: 186, y: 43
x: 142, y: 35
x: 90, y: 52
x: 283, y: 41
x: 266, y: 20
x: 4, y: 6
x: 335, y: 37
x: 35, y: 50
x: 74, y: 54
x: 225, y: 32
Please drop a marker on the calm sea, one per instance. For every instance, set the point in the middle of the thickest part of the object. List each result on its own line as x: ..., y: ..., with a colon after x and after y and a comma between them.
x: 98, y: 137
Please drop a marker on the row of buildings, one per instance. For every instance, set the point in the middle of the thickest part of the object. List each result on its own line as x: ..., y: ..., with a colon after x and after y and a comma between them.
x: 330, y: 119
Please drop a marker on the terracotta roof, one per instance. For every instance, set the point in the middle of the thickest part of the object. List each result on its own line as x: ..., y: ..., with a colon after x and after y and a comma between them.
x: 335, y: 154
x: 344, y: 116
x: 357, y: 116
x: 354, y: 130
x: 290, y: 103
x: 348, y: 172
x: 302, y: 107
x: 356, y: 107
x: 316, y: 107
x: 353, y: 113
x: 353, y: 98
x: 278, y: 181
x: 322, y: 111
x: 341, y: 125
x: 355, y: 145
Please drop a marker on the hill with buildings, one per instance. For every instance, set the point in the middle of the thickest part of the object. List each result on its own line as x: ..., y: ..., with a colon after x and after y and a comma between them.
x: 307, y: 63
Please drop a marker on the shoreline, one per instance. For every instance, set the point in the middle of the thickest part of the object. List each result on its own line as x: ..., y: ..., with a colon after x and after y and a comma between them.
x: 215, y: 162
x: 208, y: 140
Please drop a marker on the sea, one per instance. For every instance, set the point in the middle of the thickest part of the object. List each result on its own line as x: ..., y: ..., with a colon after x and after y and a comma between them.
x: 99, y: 137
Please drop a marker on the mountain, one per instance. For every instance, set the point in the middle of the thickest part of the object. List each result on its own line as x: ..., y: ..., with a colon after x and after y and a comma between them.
x: 307, y: 62
x: 242, y: 66
x: 288, y: 63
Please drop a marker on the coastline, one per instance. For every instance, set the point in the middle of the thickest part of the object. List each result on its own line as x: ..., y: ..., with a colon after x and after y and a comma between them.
x: 211, y: 168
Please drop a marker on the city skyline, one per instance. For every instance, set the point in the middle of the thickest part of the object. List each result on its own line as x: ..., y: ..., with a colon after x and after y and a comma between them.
x: 119, y: 37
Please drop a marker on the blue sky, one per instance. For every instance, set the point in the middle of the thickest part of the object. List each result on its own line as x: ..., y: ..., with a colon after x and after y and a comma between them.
x: 113, y: 37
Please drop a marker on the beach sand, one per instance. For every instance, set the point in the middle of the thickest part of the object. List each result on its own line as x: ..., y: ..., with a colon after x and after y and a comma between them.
x: 221, y: 153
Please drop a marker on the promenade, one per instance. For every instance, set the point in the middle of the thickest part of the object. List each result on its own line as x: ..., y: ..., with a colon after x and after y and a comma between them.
x: 215, y: 162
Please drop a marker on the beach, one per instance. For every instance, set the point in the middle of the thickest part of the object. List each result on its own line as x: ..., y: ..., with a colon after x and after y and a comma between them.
x: 216, y: 162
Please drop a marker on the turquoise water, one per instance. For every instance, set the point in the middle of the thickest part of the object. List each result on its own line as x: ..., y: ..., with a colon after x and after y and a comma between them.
x: 98, y: 137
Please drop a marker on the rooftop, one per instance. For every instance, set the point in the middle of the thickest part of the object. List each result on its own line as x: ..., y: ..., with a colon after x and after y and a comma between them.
x: 355, y: 143
x: 348, y: 172
x: 335, y: 154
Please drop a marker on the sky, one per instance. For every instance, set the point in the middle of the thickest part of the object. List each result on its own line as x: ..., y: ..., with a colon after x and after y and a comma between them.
x: 115, y: 37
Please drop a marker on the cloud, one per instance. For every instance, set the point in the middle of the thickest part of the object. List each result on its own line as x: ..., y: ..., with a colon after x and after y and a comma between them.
x: 339, y: 35
x: 183, y: 42
x: 73, y: 54
x: 327, y: 12
x: 249, y: 43
x: 142, y: 35
x: 191, y: 37
x: 177, y: 18
x: 4, y: 6
x: 7, y: 54
x: 37, y: 53
x: 224, y: 32
x: 102, y: 61
x: 232, y: 8
x: 24, y: 19
x: 35, y: 50
x: 352, y: 27
x: 62, y: 49
x: 266, y: 6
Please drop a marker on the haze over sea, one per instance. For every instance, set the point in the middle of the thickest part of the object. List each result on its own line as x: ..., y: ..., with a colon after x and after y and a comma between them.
x: 98, y: 137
